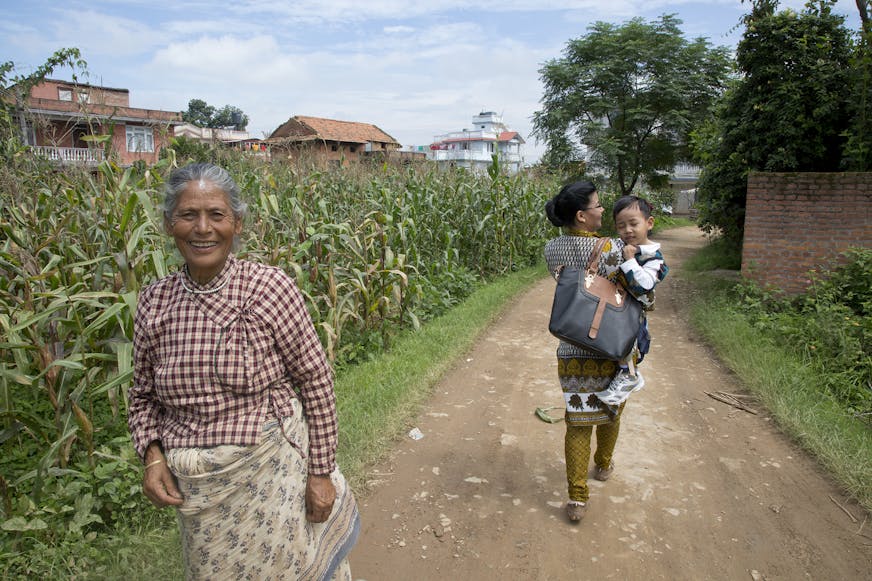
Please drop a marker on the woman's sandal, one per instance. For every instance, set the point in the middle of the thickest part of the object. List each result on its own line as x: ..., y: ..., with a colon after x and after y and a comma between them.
x: 575, y: 510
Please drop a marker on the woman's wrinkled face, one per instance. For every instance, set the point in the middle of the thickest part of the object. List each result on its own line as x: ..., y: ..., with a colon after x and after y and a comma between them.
x: 203, y: 226
x: 591, y: 218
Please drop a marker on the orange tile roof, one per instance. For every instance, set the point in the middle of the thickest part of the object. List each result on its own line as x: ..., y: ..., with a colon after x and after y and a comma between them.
x: 302, y: 128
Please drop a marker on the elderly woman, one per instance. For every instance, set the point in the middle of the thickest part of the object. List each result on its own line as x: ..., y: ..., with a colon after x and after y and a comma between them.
x: 232, y: 407
x: 577, y: 210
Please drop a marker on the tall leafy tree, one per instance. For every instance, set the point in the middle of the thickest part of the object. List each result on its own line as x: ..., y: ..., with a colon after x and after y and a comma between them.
x: 624, y: 98
x: 199, y: 113
x: 230, y: 116
x: 202, y: 114
x: 789, y: 111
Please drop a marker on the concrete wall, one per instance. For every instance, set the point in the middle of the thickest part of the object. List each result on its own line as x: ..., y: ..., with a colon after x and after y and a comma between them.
x: 796, y: 222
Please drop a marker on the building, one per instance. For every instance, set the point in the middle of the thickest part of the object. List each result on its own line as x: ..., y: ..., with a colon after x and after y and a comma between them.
x: 209, y: 134
x: 236, y: 139
x: 335, y: 142
x: 80, y: 123
x: 474, y: 148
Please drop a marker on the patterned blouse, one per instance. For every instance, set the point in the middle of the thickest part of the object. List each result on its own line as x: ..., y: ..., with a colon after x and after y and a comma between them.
x: 574, y: 249
x: 210, y: 368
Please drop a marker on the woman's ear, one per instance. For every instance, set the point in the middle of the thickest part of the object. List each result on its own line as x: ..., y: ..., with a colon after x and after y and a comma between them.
x: 579, y: 217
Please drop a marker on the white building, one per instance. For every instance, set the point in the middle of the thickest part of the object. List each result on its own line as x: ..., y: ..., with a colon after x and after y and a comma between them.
x: 474, y: 148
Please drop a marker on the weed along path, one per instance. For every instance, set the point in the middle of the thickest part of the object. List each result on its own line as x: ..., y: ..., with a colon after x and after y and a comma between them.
x: 702, y: 489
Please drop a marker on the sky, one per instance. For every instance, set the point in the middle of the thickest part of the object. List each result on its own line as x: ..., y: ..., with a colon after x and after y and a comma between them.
x: 416, y: 69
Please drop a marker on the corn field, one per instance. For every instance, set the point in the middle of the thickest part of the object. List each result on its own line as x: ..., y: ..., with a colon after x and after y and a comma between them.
x: 375, y: 250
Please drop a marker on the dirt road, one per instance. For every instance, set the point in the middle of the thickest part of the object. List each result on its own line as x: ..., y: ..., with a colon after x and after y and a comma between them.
x: 701, y: 489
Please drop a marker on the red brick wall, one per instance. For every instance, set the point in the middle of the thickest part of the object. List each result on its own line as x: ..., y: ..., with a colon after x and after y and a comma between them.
x: 796, y: 222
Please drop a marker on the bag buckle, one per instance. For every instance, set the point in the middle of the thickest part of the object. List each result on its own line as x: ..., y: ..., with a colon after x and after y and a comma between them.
x: 589, y: 278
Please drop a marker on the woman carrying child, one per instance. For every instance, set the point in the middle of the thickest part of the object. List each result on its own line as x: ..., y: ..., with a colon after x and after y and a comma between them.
x: 577, y: 210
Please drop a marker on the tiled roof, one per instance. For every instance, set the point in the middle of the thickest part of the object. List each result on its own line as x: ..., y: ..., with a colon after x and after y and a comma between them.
x: 509, y: 135
x: 302, y: 128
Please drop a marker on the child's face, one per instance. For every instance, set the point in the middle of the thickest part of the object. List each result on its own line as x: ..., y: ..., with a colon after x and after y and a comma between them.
x: 633, y: 226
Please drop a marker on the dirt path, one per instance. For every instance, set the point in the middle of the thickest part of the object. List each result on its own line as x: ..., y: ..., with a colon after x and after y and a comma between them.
x: 701, y: 490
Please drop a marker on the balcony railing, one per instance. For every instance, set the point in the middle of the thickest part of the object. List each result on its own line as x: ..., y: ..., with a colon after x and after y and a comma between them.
x: 685, y: 170
x: 75, y: 155
x: 469, y: 155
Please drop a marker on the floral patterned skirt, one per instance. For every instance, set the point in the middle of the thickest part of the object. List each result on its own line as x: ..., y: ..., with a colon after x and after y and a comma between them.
x: 580, y: 378
x: 244, y: 515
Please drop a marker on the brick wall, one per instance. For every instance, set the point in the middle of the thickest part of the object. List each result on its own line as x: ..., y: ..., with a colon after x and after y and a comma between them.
x: 796, y: 222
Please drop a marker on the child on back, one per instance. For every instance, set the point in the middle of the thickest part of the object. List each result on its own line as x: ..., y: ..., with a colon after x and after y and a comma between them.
x: 642, y: 269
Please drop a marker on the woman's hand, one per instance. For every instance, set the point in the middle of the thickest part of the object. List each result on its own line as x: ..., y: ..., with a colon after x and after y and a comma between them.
x: 158, y: 483
x: 320, y: 496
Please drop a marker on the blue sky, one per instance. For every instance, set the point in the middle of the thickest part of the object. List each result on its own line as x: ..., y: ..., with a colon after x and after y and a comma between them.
x: 414, y: 68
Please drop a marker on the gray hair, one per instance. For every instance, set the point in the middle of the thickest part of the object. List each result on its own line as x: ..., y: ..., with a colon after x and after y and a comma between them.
x: 206, y: 172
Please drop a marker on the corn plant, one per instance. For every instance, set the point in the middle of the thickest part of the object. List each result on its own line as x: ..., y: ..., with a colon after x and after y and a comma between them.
x: 374, y: 250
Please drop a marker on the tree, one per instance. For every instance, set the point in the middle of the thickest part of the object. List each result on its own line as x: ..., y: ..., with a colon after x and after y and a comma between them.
x: 858, y: 147
x: 198, y: 113
x: 14, y: 90
x: 230, y: 116
x: 790, y: 110
x: 628, y: 96
x: 201, y: 114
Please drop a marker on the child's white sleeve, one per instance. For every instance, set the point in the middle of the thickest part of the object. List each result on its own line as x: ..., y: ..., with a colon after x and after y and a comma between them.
x: 643, y: 276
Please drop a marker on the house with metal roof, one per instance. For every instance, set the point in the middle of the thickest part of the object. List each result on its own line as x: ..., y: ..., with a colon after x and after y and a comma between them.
x: 474, y: 148
x: 328, y: 140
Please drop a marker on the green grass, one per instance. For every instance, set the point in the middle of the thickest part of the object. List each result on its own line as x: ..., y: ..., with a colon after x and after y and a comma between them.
x: 376, y: 402
x: 717, y: 255
x: 787, y: 386
x: 377, y: 399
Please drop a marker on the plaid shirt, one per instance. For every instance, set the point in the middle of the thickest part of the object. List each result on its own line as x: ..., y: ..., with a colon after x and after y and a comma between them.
x: 212, y: 368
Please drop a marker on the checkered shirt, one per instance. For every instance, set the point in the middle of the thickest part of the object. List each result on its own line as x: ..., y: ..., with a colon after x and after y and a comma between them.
x: 211, y: 369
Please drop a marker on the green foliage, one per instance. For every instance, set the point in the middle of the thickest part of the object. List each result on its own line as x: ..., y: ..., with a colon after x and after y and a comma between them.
x: 189, y: 150
x: 201, y: 114
x: 719, y: 254
x: 376, y: 251
x: 858, y: 146
x: 790, y: 111
x: 630, y: 95
x: 198, y: 113
x: 14, y: 90
x: 829, y: 328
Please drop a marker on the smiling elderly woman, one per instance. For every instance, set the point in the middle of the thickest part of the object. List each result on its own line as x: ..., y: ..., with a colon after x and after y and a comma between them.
x: 232, y: 407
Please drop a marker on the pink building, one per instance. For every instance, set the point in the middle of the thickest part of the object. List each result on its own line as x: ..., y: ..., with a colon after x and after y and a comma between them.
x: 74, y: 123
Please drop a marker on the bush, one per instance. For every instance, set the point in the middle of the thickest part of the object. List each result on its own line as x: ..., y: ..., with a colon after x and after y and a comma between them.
x: 830, y: 327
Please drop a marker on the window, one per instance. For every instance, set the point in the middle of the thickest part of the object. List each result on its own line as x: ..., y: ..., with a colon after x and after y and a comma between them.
x: 65, y: 95
x: 83, y: 97
x: 140, y: 139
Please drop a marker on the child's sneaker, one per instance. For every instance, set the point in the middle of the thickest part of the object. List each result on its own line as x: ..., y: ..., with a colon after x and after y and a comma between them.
x: 621, y: 387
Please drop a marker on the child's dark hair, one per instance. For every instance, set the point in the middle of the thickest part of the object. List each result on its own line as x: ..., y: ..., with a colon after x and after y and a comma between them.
x: 571, y: 198
x: 625, y: 202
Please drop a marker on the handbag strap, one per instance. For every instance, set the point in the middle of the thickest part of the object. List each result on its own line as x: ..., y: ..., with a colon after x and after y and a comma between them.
x: 593, y: 265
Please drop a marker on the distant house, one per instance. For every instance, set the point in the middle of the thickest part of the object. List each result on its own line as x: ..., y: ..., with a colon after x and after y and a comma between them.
x: 69, y: 122
x: 474, y: 148
x: 328, y: 140
x: 230, y: 137
x: 208, y: 134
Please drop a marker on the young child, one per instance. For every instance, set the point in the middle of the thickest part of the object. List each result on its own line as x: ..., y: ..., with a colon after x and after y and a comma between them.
x: 642, y: 269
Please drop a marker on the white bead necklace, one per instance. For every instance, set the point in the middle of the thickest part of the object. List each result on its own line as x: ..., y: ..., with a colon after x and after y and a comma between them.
x: 203, y: 292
